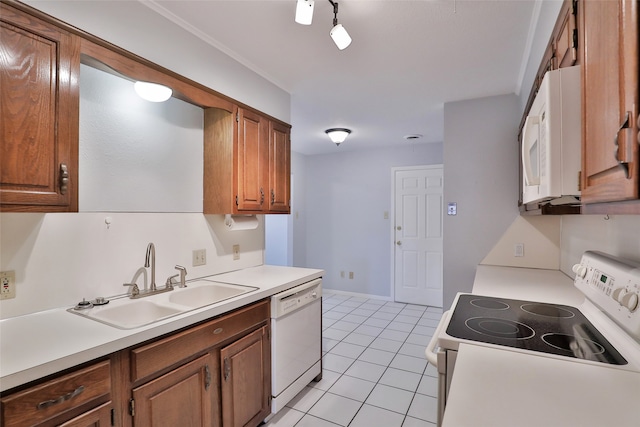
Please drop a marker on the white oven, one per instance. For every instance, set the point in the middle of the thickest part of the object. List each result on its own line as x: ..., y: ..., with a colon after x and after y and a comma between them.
x: 604, y: 331
x: 296, y: 344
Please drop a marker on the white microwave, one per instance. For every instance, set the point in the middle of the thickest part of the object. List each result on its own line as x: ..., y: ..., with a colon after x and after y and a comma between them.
x: 551, y: 139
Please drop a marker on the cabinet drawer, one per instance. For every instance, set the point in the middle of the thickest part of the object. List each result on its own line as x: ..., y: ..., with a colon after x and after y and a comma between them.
x: 157, y: 356
x: 57, y: 396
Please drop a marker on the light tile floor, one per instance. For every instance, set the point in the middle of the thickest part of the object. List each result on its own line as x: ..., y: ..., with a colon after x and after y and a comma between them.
x: 375, y: 373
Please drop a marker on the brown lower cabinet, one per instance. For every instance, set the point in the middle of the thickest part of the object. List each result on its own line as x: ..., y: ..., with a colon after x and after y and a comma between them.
x: 215, y: 373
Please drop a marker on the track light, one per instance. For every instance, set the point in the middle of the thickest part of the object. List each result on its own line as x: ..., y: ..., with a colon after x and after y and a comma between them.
x: 304, y: 16
x: 304, y: 12
x: 338, y: 135
x: 338, y: 33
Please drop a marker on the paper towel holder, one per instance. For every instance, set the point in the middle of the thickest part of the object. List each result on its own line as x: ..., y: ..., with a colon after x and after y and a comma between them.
x: 240, y: 222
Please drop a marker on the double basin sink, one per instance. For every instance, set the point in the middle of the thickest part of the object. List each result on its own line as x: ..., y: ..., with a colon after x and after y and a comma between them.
x: 127, y: 313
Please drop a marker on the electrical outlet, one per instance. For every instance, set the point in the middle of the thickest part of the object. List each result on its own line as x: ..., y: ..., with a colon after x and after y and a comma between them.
x: 518, y: 250
x: 342, y: 274
x: 351, y: 275
x: 236, y: 252
x: 199, y: 257
x: 7, y: 284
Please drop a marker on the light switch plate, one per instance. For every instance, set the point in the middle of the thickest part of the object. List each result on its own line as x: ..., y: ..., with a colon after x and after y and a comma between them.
x: 236, y: 252
x: 199, y: 257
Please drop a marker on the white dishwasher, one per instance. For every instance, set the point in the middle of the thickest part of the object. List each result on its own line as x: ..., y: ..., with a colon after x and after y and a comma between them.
x: 296, y: 345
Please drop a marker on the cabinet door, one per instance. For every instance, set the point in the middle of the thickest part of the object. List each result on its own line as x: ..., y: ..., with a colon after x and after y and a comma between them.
x: 39, y: 70
x: 252, y: 161
x: 246, y: 380
x: 610, y: 97
x: 565, y: 40
x: 97, y: 417
x: 279, y: 168
x: 182, y: 397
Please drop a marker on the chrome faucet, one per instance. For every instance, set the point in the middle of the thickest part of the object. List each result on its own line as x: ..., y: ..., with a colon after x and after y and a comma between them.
x: 151, y: 254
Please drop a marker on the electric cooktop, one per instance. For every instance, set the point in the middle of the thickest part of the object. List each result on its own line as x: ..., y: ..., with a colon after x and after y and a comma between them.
x: 548, y: 328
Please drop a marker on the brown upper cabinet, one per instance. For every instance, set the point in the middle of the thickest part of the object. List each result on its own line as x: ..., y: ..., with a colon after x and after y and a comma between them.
x: 247, y: 163
x: 610, y: 176
x: 39, y: 70
x: 246, y: 153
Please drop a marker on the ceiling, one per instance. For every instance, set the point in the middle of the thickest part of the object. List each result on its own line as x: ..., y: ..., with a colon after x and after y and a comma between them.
x: 406, y: 60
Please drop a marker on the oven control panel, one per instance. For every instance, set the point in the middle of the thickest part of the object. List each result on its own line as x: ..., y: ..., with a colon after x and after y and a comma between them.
x: 613, y: 284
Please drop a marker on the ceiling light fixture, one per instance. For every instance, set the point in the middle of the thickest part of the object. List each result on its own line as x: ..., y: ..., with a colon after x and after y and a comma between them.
x: 338, y: 33
x: 304, y: 16
x: 304, y: 12
x: 338, y: 135
x: 152, y: 91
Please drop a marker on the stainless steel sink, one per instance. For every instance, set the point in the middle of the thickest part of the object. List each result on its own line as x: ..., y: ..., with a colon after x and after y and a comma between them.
x: 204, y: 292
x: 126, y: 313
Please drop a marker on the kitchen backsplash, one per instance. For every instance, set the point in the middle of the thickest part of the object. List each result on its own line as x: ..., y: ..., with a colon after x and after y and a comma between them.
x: 59, y: 259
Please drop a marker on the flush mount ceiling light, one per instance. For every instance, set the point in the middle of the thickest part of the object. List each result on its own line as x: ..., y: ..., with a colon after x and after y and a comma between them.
x: 152, y: 91
x: 338, y: 135
x: 304, y: 15
x: 304, y: 12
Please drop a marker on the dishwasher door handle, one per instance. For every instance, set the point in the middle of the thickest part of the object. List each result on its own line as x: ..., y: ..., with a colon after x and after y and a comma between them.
x: 430, y: 351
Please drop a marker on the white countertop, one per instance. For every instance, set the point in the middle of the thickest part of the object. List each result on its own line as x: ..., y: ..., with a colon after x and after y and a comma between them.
x: 551, y: 286
x: 502, y: 388
x: 39, y: 344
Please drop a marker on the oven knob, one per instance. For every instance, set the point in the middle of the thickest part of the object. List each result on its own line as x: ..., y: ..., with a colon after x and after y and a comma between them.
x: 617, y: 294
x: 630, y: 300
x: 580, y: 270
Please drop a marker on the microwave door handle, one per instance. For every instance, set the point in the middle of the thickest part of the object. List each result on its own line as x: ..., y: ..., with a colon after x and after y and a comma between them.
x: 530, y: 133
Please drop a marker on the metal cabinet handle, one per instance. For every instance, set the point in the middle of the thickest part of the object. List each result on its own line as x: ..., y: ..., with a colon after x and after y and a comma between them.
x: 261, y: 196
x: 227, y: 369
x: 623, y: 163
x: 64, y: 178
x: 207, y: 377
x: 63, y: 398
x: 273, y: 197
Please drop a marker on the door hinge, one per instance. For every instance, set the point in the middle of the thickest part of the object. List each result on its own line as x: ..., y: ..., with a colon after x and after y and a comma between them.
x: 236, y: 200
x: 579, y: 180
x: 268, y: 334
x: 574, y: 7
x: 227, y: 369
x: 113, y: 417
x: 237, y: 117
x: 132, y: 407
x: 207, y: 377
x: 64, y: 178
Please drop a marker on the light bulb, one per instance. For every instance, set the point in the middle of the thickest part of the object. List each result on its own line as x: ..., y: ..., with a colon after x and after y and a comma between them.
x: 152, y: 92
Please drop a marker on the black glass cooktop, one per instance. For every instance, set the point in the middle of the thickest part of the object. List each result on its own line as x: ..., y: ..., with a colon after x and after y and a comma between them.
x: 556, y: 329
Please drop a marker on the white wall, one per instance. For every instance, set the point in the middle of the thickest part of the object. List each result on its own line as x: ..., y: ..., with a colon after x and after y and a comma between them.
x: 617, y: 235
x: 59, y: 259
x: 480, y: 175
x: 347, y: 195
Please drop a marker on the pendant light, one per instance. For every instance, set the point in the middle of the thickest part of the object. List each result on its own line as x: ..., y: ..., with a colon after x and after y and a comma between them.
x: 338, y: 135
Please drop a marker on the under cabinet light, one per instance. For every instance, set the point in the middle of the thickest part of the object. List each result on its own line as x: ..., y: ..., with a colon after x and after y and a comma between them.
x: 152, y: 91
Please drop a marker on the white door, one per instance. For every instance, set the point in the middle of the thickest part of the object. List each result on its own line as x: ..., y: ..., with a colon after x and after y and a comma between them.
x: 418, y: 235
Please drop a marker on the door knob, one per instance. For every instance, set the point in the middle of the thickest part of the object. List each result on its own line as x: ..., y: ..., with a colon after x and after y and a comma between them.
x: 399, y: 243
x: 399, y: 228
